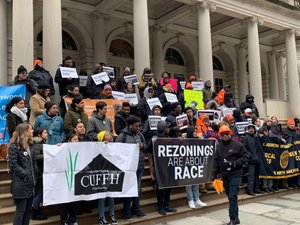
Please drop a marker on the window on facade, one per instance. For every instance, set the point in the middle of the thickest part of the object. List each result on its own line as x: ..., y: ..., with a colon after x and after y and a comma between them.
x: 217, y: 65
x: 218, y: 84
x: 67, y: 41
x: 174, y: 57
x: 121, y: 48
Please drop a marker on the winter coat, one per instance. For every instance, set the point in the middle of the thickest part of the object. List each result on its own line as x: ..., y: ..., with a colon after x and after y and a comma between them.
x: 42, y: 76
x: 249, y: 142
x: 37, y: 105
x: 23, y: 172
x: 72, y: 117
x: 12, y: 121
x: 144, y: 109
x: 233, y: 152
x: 166, y: 105
x: 97, y: 124
x: 245, y: 105
x: 288, y: 133
x: 127, y: 137
x: 37, y: 149
x: 63, y: 83
x: 171, y: 121
x: 53, y: 125
x: 94, y: 91
x: 120, y: 122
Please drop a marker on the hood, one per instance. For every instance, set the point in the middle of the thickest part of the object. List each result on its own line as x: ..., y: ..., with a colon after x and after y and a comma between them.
x: 37, y: 140
x: 146, y: 92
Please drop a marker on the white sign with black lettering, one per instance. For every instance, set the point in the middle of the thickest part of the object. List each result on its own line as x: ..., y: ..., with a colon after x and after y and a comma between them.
x: 131, y: 78
x: 109, y: 71
x: 118, y: 95
x: 241, y: 127
x: 82, y: 81
x: 182, y: 84
x: 67, y: 72
x: 153, y: 121
x: 100, y: 78
x: 153, y: 102
x: 197, y: 85
x: 132, y: 98
x: 171, y: 97
x: 182, y: 121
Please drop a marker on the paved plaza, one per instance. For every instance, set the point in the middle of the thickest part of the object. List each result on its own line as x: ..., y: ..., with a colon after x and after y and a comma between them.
x: 284, y: 210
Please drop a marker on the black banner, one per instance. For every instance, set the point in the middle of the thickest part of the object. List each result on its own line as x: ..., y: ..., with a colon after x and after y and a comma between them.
x: 181, y: 162
x: 279, y: 161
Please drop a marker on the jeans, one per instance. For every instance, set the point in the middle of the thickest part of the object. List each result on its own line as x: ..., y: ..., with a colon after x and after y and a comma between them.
x: 253, y: 178
x: 232, y: 188
x: 68, y: 213
x: 37, y: 199
x: 127, y: 210
x: 101, y: 205
x: 192, y: 192
x: 22, y: 214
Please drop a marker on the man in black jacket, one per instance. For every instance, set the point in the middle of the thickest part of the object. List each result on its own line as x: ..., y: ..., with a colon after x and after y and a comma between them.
x: 120, y: 118
x: 229, y: 160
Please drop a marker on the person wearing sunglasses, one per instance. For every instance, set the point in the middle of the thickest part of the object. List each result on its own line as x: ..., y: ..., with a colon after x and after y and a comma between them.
x: 228, y: 161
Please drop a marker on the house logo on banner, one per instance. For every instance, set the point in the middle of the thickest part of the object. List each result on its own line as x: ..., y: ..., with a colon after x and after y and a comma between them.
x: 94, y: 178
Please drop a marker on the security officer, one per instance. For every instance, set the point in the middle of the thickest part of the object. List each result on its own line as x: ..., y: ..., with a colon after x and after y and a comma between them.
x: 228, y: 161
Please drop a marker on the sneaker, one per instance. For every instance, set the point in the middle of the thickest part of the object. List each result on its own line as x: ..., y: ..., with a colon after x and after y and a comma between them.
x: 74, y: 223
x: 102, y: 220
x: 200, y: 203
x: 162, y: 211
x: 113, y: 220
x: 169, y: 209
x: 128, y: 217
x: 139, y: 214
x: 192, y: 204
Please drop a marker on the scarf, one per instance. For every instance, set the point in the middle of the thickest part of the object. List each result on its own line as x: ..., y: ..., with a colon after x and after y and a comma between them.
x: 19, y: 112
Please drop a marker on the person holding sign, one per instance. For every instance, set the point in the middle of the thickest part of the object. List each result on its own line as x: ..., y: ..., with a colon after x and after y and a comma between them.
x: 94, y: 90
x: 63, y: 83
x: 228, y: 161
x: 143, y: 106
x: 171, y: 119
x: 107, y: 92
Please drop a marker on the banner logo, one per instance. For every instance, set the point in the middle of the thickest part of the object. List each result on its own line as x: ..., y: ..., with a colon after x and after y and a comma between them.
x: 71, y: 167
x: 284, y: 159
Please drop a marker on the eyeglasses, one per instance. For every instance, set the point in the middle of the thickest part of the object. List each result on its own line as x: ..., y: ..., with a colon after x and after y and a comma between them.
x: 225, y: 134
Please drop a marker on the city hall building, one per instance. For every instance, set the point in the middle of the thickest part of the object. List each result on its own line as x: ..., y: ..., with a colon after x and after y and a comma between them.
x: 249, y: 44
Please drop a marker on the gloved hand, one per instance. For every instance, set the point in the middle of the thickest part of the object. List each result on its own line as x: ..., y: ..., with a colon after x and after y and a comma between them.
x: 228, y: 165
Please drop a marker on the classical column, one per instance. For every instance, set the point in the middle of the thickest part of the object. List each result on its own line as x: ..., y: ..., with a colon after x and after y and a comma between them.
x: 158, y: 57
x: 99, y: 38
x: 52, y: 35
x: 292, y: 73
x: 242, y: 72
x: 204, y: 37
x: 141, y: 36
x: 254, y: 63
x: 273, y: 75
x: 22, y: 35
x: 3, y: 42
x: 281, y: 76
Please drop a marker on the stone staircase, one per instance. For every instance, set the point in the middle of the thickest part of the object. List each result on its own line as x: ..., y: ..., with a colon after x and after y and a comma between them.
x: 148, y: 204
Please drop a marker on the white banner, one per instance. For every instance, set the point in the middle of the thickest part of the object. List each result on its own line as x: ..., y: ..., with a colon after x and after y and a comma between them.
x: 89, y: 170
x: 68, y: 72
x: 100, y: 77
x: 171, y: 97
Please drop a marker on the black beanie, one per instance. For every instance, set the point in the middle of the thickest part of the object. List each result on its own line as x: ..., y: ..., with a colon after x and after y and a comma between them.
x: 67, y: 58
x: 21, y: 69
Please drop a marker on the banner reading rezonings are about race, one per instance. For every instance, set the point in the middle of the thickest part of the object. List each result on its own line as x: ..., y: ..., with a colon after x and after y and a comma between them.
x: 89, y: 170
x: 181, y: 162
x: 278, y: 160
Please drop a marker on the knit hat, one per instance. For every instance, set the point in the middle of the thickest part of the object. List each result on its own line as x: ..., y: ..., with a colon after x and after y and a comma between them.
x: 290, y: 121
x: 107, y: 86
x: 37, y: 61
x: 67, y: 58
x: 101, y: 135
x: 43, y: 86
x: 21, y: 69
x: 192, y: 77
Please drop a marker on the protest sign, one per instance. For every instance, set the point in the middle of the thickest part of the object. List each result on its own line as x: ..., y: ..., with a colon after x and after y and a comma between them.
x: 182, y: 121
x: 109, y: 71
x: 153, y: 102
x: 82, y: 81
x: 197, y: 85
x: 67, y: 72
x: 132, y: 98
x: 147, y: 77
x: 100, y: 78
x: 182, y: 84
x: 181, y: 162
x: 241, y: 127
x: 7, y: 93
x: 118, y: 95
x: 193, y: 96
x: 89, y: 170
x: 131, y: 78
x: 171, y: 97
x: 226, y: 111
x: 153, y: 121
x: 213, y: 115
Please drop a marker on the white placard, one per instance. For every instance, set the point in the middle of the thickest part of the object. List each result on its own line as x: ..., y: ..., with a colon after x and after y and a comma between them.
x: 182, y: 121
x: 171, y: 97
x: 82, y: 81
x: 109, y: 71
x: 100, y: 77
x: 131, y: 78
x: 153, y: 102
x: 227, y: 111
x: 182, y: 84
x: 68, y: 72
x: 213, y: 115
x: 197, y: 85
x: 118, y: 95
x: 132, y: 98
x: 153, y: 121
x: 241, y: 127
x: 148, y: 76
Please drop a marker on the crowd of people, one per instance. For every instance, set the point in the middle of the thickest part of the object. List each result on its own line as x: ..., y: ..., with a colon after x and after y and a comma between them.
x: 37, y: 119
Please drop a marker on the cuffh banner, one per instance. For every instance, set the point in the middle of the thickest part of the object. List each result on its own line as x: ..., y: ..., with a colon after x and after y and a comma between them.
x: 89, y: 170
x: 7, y: 93
x: 279, y: 161
x: 181, y: 162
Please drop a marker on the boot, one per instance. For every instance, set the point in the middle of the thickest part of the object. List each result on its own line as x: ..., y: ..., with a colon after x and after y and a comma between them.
x: 37, y: 215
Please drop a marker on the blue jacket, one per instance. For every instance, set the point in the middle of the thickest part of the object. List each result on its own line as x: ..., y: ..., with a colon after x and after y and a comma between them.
x: 56, y: 133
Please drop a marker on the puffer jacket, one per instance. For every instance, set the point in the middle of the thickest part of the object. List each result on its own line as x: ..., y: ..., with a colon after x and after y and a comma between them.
x: 53, y: 125
x: 23, y: 172
x: 37, y: 149
x: 72, y: 117
x: 127, y: 137
x: 42, y: 76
